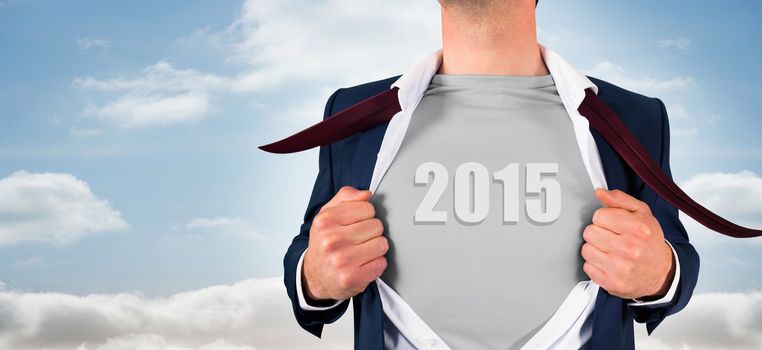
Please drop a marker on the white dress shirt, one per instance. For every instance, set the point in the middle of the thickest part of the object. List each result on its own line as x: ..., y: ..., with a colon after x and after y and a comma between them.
x: 569, y: 327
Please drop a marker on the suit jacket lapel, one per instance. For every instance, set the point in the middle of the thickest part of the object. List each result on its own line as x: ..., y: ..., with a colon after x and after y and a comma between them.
x: 364, y: 157
x: 607, y: 314
x: 368, y: 310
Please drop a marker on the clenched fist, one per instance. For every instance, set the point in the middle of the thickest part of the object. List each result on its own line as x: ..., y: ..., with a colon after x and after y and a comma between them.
x: 625, y: 250
x: 346, y: 248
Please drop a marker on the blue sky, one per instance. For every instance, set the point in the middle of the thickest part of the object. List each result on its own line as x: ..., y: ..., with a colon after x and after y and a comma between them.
x: 148, y: 115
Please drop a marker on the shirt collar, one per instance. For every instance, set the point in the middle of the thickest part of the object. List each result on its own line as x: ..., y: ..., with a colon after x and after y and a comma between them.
x: 570, y: 82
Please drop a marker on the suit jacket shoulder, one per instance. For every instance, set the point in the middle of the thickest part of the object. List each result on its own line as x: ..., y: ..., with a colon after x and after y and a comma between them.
x: 644, y: 116
x: 347, y: 96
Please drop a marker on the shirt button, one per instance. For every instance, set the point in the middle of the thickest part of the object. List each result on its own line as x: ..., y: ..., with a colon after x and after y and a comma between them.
x: 428, y: 343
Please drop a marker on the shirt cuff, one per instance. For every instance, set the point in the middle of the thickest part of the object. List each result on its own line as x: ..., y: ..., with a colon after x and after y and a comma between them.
x: 667, y: 298
x: 300, y: 295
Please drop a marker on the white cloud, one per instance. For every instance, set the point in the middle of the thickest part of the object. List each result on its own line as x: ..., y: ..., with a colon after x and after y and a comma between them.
x: 277, y: 43
x: 683, y: 123
x: 159, y: 77
x: 131, y: 111
x: 251, y: 314
x: 676, y: 43
x: 734, y: 196
x: 52, y: 207
x: 161, y: 96
x: 256, y: 314
x: 224, y: 225
x: 710, y: 321
x: 87, y: 44
x: 283, y: 41
x: 690, y: 131
x: 645, y: 85
x: 304, y: 111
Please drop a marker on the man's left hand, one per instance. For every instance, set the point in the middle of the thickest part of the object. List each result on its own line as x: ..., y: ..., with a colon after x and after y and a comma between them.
x: 625, y: 251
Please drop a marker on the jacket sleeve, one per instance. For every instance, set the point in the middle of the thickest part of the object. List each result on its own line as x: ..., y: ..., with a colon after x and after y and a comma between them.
x: 676, y: 235
x: 322, y: 192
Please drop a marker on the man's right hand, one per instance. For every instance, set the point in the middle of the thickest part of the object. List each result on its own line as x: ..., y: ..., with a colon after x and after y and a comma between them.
x: 346, y: 247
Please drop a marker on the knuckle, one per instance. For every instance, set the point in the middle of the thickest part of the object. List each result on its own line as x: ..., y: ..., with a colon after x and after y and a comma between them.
x: 588, y: 233
x: 322, y: 221
x: 383, y: 244
x: 344, y: 190
x: 601, y: 215
x: 333, y: 261
x: 383, y: 262
x: 370, y: 210
x: 642, y: 229
x: 377, y: 226
x: 327, y: 244
x: 344, y: 280
x: 322, y: 243
x: 636, y: 252
x: 337, y: 261
x: 629, y: 254
x: 586, y: 251
x: 597, y: 215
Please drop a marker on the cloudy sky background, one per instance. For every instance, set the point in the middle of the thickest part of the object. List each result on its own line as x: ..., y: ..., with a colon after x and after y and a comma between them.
x: 136, y: 211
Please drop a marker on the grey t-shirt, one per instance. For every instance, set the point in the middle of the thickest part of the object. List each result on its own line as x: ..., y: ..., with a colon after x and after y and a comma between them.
x: 484, y: 207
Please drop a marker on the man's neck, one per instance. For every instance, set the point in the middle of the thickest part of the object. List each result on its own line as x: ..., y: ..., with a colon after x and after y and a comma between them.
x: 498, y: 41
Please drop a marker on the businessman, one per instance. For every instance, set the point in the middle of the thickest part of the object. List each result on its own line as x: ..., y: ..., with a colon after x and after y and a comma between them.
x: 487, y: 214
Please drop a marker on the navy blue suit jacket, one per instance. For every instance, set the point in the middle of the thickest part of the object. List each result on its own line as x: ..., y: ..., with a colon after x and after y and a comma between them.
x: 350, y: 161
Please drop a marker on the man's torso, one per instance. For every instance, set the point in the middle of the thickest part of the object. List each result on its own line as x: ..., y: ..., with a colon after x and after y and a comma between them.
x: 488, y: 269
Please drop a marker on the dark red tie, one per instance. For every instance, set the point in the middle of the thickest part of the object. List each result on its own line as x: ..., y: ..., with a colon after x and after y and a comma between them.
x: 380, y: 108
